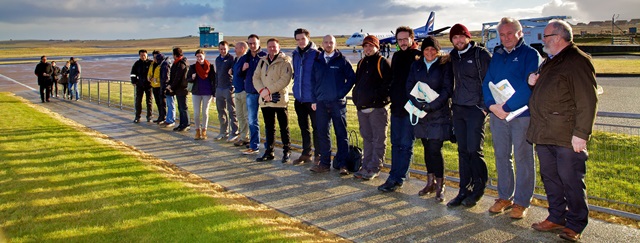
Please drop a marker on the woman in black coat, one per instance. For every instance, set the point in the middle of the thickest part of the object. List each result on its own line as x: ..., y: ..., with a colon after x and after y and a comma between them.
x: 435, y: 70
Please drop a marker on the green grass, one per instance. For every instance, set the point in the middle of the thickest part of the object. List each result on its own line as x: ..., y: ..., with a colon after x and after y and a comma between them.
x: 58, y: 184
x: 623, y: 66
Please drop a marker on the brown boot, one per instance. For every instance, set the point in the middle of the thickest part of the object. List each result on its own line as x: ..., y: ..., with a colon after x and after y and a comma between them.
x: 440, y: 189
x: 198, y: 136
x: 302, y: 159
x: 203, y: 136
x: 430, y: 187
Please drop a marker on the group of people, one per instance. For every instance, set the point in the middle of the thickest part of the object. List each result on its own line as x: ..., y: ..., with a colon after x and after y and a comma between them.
x: 50, y: 75
x: 557, y: 95
x: 385, y: 49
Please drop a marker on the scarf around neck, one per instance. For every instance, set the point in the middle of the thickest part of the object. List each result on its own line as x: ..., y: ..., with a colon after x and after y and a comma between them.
x: 203, y: 69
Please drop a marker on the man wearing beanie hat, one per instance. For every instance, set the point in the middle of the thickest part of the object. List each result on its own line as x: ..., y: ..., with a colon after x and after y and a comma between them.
x: 470, y: 64
x: 371, y: 97
x: 402, y: 136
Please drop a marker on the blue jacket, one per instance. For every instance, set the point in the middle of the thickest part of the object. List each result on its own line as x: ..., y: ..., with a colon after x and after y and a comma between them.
x: 515, y: 67
x: 223, y: 65
x: 332, y: 81
x: 302, y: 71
x: 238, y: 75
x: 253, y: 63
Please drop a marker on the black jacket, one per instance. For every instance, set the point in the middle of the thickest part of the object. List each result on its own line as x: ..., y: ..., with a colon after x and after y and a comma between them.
x: 55, y: 73
x: 139, y: 73
x: 372, y: 89
x: 400, y: 65
x: 178, y: 77
x: 468, y: 80
x: 43, y: 67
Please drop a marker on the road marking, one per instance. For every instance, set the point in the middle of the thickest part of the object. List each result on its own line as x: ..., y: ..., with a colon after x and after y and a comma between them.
x: 13, y: 80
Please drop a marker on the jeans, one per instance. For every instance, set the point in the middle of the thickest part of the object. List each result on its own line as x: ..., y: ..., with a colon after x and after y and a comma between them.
x: 269, y: 115
x: 201, y: 107
x: 305, y: 113
x: 468, y: 124
x: 226, y: 112
x: 373, y: 129
x: 563, y: 172
x: 509, y: 138
x: 160, y: 103
x: 171, y: 109
x: 183, y: 109
x: 402, y: 139
x: 326, y: 113
x: 146, y: 91
x: 73, y: 89
x: 241, y: 115
x: 254, y: 127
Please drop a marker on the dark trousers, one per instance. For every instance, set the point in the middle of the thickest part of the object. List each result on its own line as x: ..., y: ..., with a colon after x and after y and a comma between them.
x: 562, y: 171
x: 183, y: 110
x: 433, y: 156
x: 45, y: 91
x: 161, y: 103
x: 54, y: 87
x: 140, y: 90
x: 305, y: 113
x: 269, y: 115
x: 65, y: 90
x: 402, y: 139
x: 326, y: 113
x: 469, y: 123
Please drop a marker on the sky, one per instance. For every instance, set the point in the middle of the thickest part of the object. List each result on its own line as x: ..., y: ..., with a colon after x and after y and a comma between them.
x: 145, y: 19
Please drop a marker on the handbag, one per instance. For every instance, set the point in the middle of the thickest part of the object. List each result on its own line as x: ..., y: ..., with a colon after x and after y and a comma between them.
x: 423, y: 93
x: 354, y: 154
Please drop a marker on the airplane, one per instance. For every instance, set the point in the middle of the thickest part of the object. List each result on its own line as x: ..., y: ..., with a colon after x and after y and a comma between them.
x: 420, y: 33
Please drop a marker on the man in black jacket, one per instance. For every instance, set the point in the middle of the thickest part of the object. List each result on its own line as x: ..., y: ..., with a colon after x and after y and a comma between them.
x: 43, y: 71
x: 470, y: 64
x: 178, y: 87
x: 402, y: 136
x: 139, y: 73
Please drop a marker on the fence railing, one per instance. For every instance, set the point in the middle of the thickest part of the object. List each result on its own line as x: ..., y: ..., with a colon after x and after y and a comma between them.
x: 120, y: 94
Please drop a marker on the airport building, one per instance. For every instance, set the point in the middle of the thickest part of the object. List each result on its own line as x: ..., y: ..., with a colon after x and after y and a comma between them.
x: 209, y: 38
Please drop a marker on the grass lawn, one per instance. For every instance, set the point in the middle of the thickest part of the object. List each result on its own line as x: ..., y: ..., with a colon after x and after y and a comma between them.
x: 60, y: 183
x: 626, y: 66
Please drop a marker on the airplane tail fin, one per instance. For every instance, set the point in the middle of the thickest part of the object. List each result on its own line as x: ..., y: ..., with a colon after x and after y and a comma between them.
x: 430, y: 22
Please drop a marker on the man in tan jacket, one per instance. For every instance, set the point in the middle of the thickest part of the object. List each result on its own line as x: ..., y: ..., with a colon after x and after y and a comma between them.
x: 271, y: 79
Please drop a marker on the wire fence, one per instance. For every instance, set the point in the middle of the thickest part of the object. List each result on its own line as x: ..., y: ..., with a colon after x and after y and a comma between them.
x: 614, y: 143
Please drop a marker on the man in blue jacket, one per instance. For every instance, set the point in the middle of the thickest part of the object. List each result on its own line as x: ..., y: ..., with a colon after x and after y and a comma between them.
x: 514, y: 61
x: 249, y: 67
x: 303, y: 58
x: 332, y: 79
x: 224, y: 94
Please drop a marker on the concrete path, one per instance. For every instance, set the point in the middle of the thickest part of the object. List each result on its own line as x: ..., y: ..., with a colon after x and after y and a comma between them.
x: 343, y: 205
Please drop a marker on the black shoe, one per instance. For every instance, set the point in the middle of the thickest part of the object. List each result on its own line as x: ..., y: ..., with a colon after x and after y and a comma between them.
x: 472, y: 199
x: 137, y: 120
x: 389, y: 186
x: 177, y: 128
x: 267, y: 156
x: 148, y: 119
x: 286, y: 156
x: 182, y: 129
x: 457, y: 201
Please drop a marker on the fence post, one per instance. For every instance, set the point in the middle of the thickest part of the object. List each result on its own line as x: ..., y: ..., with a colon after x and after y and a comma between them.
x: 120, y: 95
x: 98, y: 83
x: 108, y: 94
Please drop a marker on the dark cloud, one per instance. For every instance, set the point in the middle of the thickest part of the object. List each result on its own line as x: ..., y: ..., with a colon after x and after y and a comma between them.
x: 30, y: 10
x: 252, y: 10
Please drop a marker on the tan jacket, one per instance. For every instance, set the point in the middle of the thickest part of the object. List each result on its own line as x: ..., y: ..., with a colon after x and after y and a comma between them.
x: 275, y: 77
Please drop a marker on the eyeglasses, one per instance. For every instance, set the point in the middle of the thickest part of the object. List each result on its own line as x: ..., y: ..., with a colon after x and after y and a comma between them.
x: 545, y: 36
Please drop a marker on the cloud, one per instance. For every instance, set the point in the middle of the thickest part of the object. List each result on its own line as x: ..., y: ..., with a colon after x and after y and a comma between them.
x: 592, y: 10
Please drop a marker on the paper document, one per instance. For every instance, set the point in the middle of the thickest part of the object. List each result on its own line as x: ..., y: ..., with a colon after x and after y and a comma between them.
x: 501, y: 92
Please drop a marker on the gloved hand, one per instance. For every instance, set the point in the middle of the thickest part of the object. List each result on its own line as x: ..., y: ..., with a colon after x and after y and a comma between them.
x: 275, y: 97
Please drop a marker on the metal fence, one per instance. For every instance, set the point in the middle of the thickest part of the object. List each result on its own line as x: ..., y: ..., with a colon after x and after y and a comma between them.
x: 120, y: 94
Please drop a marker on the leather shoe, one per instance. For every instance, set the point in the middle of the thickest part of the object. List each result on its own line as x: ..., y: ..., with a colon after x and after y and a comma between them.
x: 389, y: 186
x: 266, y: 157
x: 344, y: 171
x: 320, y: 168
x: 456, y: 201
x: 137, y: 120
x: 546, y: 225
x: 471, y: 200
x: 570, y: 235
x: 286, y: 156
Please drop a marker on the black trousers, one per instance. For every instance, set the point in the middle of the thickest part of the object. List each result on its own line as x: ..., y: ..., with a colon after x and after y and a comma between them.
x: 45, y: 92
x: 468, y: 123
x: 269, y: 115
x: 562, y: 171
x: 161, y: 103
x: 433, y: 156
x: 140, y: 90
x: 53, y: 88
x: 305, y: 113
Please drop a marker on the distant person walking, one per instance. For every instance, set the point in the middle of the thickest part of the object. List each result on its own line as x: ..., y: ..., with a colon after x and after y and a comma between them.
x: 224, y: 94
x: 142, y: 85
x: 54, y: 79
x: 43, y: 71
x: 240, y: 95
x: 178, y: 87
x: 64, y: 80
x: 203, y: 78
x: 75, y: 72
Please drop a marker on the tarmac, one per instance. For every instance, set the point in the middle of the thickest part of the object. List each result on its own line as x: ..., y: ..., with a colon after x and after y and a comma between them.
x: 351, y: 208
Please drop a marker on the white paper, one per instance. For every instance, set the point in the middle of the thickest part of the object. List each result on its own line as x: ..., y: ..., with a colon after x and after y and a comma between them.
x: 501, y: 92
x: 423, y: 92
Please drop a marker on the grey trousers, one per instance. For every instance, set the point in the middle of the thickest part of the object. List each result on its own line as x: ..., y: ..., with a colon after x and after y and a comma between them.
x: 373, y: 129
x: 226, y: 112
x: 510, y: 141
x: 242, y: 115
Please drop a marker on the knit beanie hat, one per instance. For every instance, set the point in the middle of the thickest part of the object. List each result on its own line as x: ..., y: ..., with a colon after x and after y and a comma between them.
x: 159, y: 57
x: 459, y: 29
x: 430, y: 41
x: 371, y: 40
